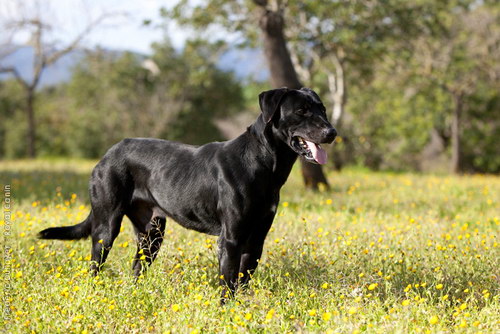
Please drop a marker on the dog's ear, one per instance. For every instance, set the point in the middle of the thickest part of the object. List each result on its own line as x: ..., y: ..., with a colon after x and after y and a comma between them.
x: 270, y: 101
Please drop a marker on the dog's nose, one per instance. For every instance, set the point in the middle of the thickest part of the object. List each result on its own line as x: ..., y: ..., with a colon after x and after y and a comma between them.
x: 330, y: 135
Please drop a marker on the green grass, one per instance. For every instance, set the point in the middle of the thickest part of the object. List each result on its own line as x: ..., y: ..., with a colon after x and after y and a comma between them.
x: 379, y: 253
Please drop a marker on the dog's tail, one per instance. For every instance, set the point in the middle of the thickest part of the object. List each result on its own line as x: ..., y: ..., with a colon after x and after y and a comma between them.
x: 78, y: 231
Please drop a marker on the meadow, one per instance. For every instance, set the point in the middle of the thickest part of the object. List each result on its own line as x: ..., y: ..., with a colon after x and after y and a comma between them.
x: 378, y: 253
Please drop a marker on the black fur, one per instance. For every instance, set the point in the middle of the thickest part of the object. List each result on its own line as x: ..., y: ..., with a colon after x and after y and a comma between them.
x: 78, y: 231
x: 229, y: 189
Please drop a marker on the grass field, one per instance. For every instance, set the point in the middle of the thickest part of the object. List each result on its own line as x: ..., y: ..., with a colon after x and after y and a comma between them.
x: 379, y: 253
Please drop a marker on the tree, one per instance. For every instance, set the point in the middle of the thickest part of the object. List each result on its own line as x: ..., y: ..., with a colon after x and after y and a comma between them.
x: 34, y: 21
x: 337, y: 44
x: 283, y: 74
x: 171, y: 94
x: 244, y: 17
x: 456, y: 55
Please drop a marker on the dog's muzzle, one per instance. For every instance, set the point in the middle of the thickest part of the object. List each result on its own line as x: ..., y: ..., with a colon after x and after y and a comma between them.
x: 311, y: 149
x: 329, y: 136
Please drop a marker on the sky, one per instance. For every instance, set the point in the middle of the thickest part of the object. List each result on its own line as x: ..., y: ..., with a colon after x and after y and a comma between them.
x: 70, y: 17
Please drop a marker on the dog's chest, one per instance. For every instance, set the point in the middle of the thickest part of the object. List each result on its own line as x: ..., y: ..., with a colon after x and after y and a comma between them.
x: 266, y: 206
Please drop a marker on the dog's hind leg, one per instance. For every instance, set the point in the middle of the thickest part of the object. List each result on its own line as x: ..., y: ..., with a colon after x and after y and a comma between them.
x: 103, y: 236
x: 110, y: 190
x: 148, y: 245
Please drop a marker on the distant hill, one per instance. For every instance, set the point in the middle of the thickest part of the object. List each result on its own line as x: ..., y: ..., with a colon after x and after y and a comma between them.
x: 245, y: 63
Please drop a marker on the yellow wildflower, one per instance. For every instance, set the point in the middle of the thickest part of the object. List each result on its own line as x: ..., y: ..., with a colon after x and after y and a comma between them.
x: 433, y: 320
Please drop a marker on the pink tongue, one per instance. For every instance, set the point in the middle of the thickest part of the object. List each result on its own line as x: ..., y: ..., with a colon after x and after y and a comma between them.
x: 318, y: 153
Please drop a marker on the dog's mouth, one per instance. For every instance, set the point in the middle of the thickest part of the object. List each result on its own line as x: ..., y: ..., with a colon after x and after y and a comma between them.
x: 311, y: 151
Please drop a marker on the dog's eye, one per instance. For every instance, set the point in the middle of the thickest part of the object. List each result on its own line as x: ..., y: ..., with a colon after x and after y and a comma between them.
x: 304, y: 111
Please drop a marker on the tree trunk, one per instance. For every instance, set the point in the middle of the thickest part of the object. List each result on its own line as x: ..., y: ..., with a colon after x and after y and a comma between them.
x: 283, y: 75
x: 313, y: 175
x: 336, y: 83
x: 277, y: 55
x: 336, y: 86
x: 455, y: 133
x: 31, y: 135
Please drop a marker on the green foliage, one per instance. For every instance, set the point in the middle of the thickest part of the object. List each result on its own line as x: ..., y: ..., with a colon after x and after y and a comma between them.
x: 12, y: 126
x: 390, y: 129
x: 210, y: 92
x: 482, y: 130
x: 174, y: 95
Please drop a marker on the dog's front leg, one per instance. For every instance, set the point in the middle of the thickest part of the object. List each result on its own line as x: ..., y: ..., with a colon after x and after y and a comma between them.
x: 252, y: 249
x: 229, y: 264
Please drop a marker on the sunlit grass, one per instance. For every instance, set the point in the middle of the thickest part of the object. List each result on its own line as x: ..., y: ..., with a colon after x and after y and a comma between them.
x: 379, y: 253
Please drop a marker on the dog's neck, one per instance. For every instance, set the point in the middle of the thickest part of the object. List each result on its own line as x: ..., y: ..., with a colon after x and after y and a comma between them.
x: 276, y: 155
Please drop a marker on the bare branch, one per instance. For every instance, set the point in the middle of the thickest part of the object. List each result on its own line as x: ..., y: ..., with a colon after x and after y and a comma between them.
x: 74, y: 44
x: 16, y: 75
x: 8, y: 51
x: 39, y: 60
x: 8, y: 47
x: 303, y: 71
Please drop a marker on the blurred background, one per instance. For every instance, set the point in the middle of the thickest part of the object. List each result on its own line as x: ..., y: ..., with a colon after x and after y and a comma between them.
x: 410, y: 85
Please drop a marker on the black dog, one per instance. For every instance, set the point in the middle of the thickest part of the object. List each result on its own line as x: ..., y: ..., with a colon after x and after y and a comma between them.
x: 229, y: 189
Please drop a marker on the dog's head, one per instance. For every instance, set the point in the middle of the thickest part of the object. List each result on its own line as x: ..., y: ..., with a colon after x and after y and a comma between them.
x: 298, y: 118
